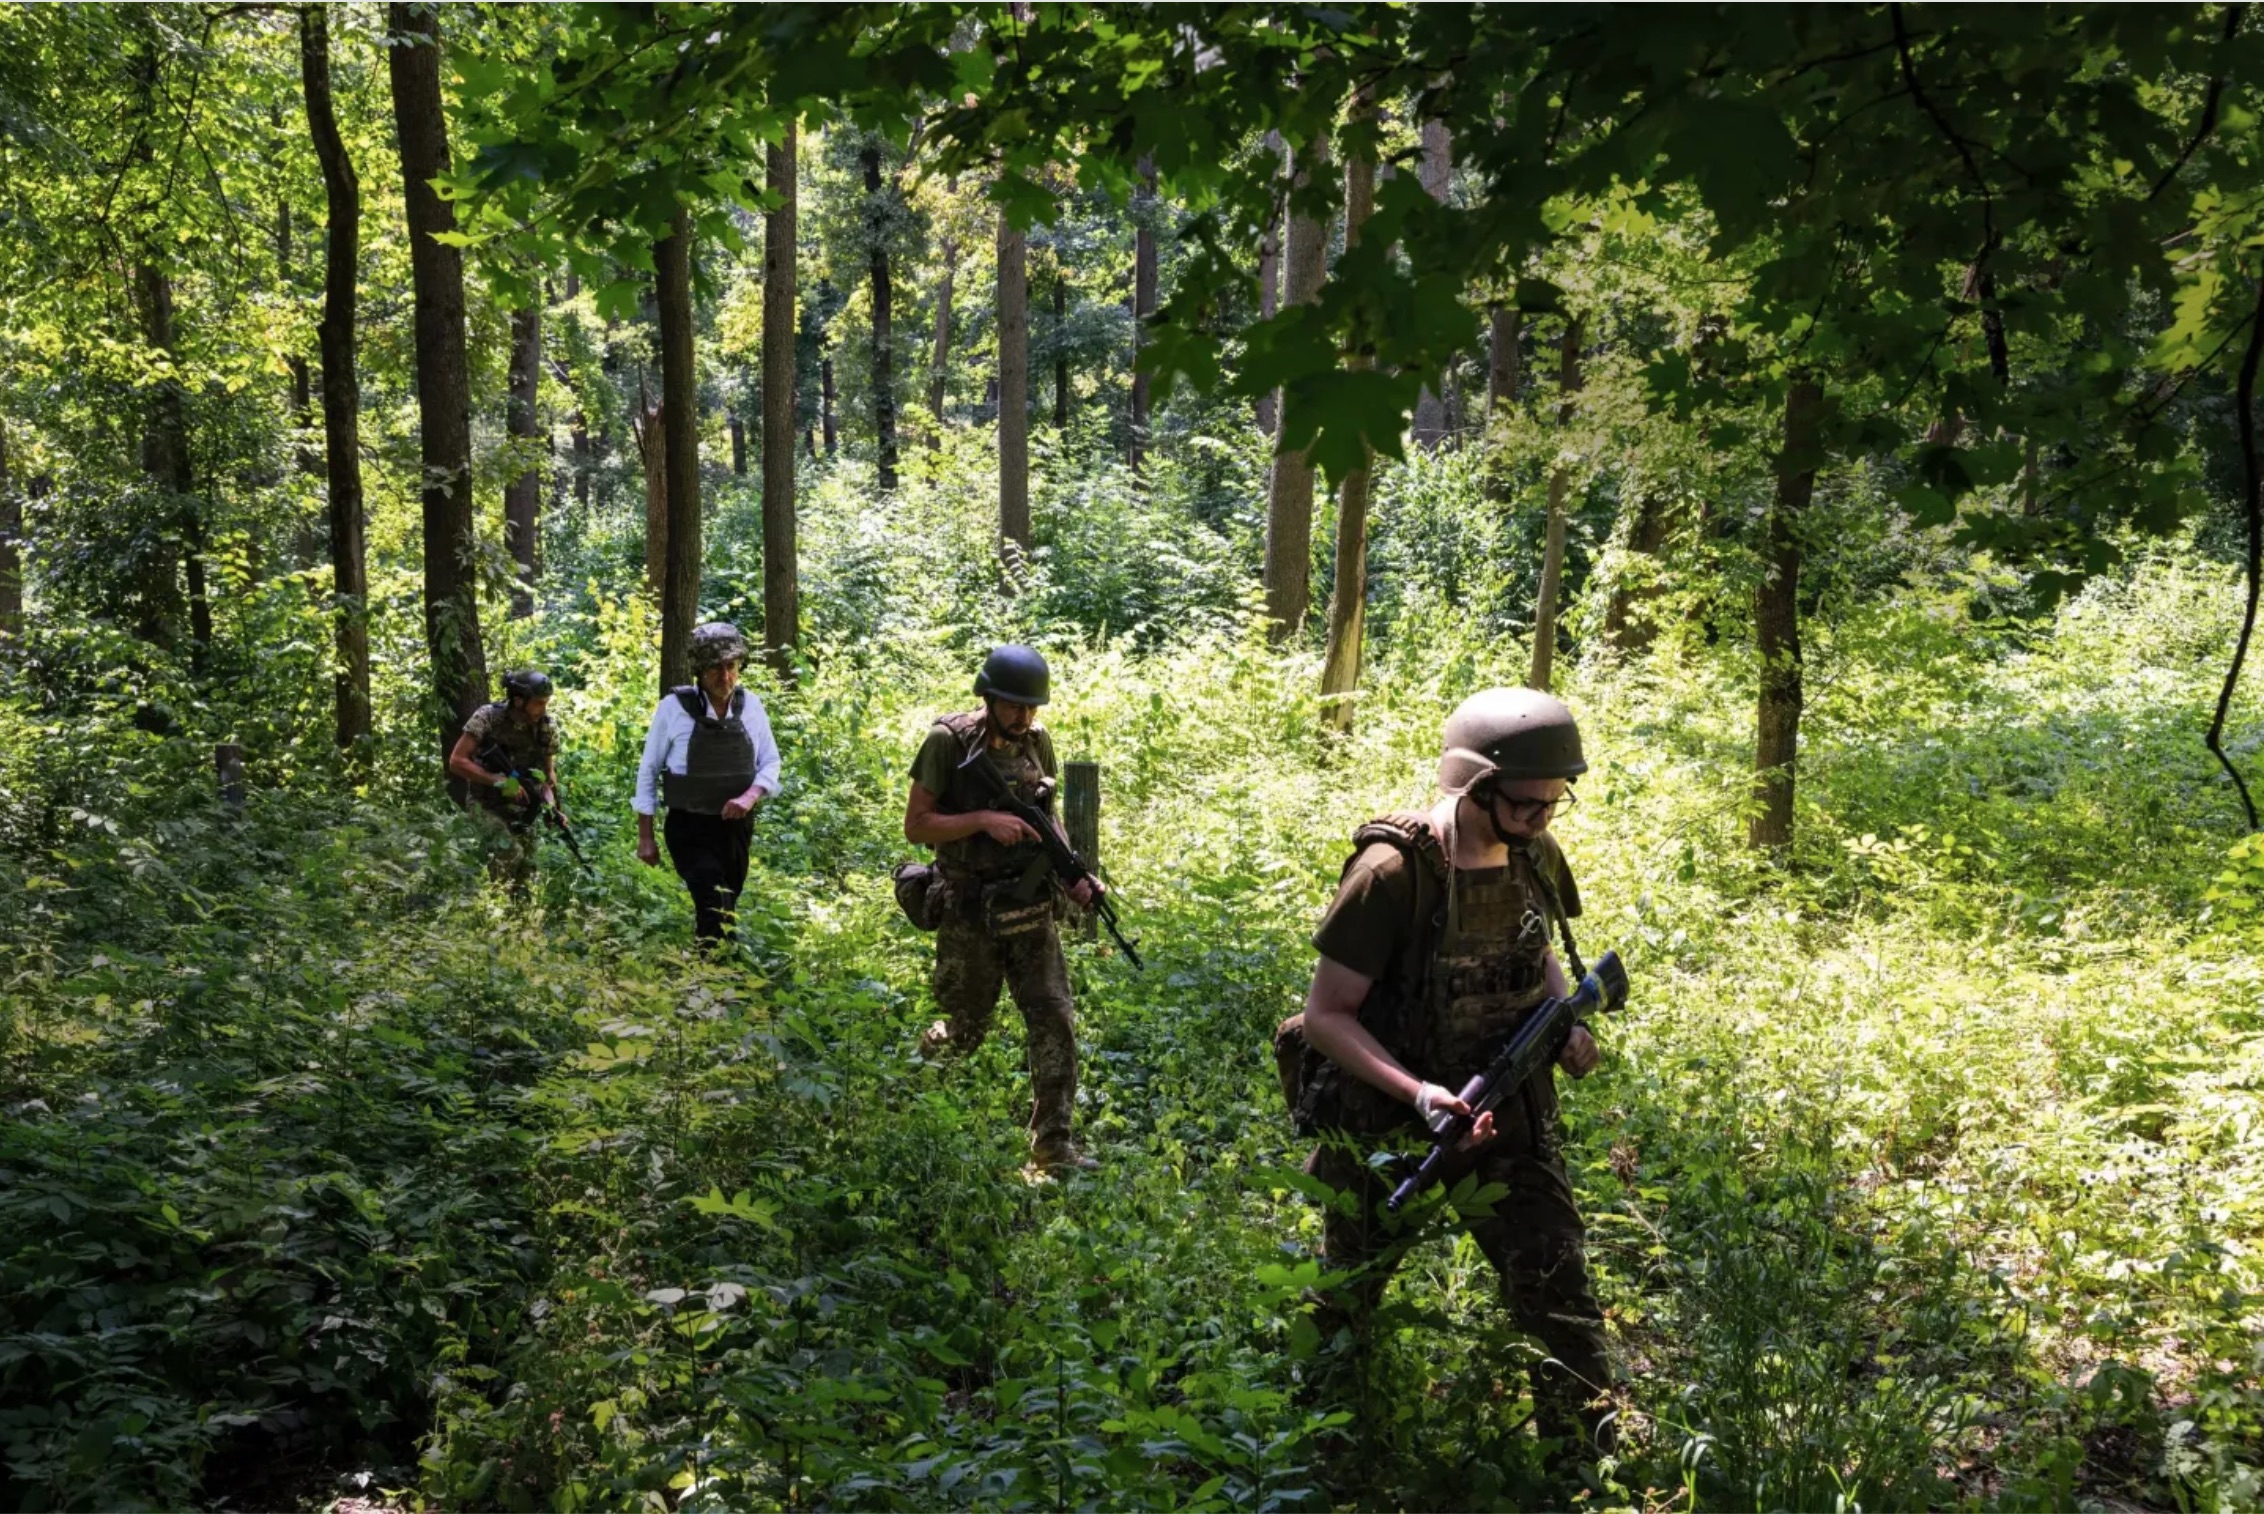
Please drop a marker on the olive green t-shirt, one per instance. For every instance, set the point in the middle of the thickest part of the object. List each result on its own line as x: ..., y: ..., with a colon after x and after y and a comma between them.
x: 531, y: 744
x: 1373, y: 914
x: 1024, y: 764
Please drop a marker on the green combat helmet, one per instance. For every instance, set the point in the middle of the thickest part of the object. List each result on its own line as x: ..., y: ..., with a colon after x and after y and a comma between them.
x: 527, y: 683
x: 1509, y: 733
x: 1014, y: 674
x: 715, y: 644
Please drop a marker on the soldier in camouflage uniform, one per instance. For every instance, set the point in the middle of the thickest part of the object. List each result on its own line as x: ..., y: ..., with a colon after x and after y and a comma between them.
x: 1436, y: 946
x: 507, y: 757
x: 991, y: 897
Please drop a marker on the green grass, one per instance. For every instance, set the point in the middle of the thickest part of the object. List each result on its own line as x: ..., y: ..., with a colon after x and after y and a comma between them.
x: 1927, y: 1174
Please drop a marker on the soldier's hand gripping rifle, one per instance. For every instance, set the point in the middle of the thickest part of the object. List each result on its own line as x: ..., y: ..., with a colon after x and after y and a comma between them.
x: 1067, y: 865
x: 1536, y: 1044
x: 496, y: 760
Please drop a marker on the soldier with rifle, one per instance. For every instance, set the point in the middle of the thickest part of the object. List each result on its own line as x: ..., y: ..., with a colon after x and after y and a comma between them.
x: 507, y: 758
x: 982, y: 788
x: 1435, y: 953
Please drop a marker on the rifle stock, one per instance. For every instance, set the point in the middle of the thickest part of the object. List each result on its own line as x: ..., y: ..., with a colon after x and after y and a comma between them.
x: 1533, y: 1046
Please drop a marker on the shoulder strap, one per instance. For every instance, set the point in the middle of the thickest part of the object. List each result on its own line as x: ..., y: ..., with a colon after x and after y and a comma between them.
x: 1555, y: 906
x: 1411, y: 832
x: 963, y: 727
x: 688, y: 695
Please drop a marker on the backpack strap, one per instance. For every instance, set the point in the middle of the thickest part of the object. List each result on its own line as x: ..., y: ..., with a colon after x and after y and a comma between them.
x: 1411, y: 832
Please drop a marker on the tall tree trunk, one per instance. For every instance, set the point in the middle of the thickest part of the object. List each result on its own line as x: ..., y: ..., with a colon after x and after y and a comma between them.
x: 782, y: 593
x: 306, y: 542
x: 1435, y: 172
x: 649, y: 427
x: 1560, y: 484
x: 165, y: 458
x: 1268, y: 408
x: 1776, y: 621
x: 1060, y: 349
x: 444, y: 391
x: 11, y: 548
x: 680, y: 423
x: 1348, y: 609
x: 1013, y: 386
x: 1504, y: 330
x: 939, y: 370
x: 522, y: 497
x: 341, y: 386
x: 738, y: 446
x: 884, y: 349
x: 1143, y: 301
x: 578, y: 426
x: 1289, y: 500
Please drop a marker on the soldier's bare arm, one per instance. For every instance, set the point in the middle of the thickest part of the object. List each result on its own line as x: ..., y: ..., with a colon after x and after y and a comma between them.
x: 1332, y: 1025
x: 925, y: 825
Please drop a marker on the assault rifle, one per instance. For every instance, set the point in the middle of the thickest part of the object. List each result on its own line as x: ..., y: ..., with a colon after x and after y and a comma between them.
x: 496, y: 760
x: 1535, y: 1045
x: 1067, y: 865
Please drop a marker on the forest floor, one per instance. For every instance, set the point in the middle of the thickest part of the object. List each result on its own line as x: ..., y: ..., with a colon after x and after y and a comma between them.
x: 1925, y: 1175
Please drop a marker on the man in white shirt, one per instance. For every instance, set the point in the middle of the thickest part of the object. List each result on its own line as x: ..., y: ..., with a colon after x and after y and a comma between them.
x: 710, y: 758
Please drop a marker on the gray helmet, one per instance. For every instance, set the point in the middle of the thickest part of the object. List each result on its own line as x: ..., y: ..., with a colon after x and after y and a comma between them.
x: 1509, y: 733
x: 527, y: 683
x: 1014, y: 674
x: 714, y: 644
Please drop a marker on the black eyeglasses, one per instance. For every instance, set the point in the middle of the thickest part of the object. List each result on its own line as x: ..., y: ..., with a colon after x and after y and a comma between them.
x: 1529, y: 811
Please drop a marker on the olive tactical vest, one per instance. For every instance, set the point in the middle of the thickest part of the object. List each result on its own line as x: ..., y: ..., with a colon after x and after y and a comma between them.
x: 1018, y: 763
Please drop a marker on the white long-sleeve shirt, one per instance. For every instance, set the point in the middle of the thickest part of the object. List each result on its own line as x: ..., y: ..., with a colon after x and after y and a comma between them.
x: 670, y: 738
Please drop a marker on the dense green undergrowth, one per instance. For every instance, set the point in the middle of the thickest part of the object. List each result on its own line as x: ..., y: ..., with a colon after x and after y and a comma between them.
x: 1925, y: 1174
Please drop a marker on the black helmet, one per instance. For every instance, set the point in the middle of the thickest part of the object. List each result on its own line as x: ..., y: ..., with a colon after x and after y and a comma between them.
x: 1509, y: 733
x: 527, y: 683
x: 1014, y: 674
x: 715, y: 644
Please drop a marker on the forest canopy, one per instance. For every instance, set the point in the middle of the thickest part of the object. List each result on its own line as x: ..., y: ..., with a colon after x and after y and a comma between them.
x: 1849, y: 411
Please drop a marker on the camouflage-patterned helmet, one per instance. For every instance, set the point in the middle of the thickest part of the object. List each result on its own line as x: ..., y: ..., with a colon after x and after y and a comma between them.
x: 1014, y: 674
x: 1509, y: 733
x: 715, y: 644
x: 527, y: 683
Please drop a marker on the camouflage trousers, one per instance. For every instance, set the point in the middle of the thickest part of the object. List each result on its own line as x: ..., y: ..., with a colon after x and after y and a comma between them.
x: 1020, y: 950
x: 510, y: 849
x: 1535, y: 1239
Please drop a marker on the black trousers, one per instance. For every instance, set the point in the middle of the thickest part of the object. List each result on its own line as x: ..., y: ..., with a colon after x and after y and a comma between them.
x: 710, y: 854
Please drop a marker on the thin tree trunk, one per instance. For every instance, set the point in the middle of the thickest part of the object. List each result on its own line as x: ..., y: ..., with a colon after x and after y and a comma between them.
x: 1289, y: 500
x: 1144, y: 278
x: 11, y: 548
x: 165, y: 457
x: 1647, y: 533
x: 1776, y: 621
x: 1268, y: 408
x: 1504, y: 330
x: 649, y: 427
x: 827, y: 417
x: 1552, y: 553
x: 939, y: 370
x: 738, y: 446
x: 341, y: 386
x: 522, y: 497
x: 1348, y: 609
x: 582, y: 460
x: 884, y: 351
x: 782, y: 595
x: 1435, y: 172
x: 306, y: 544
x: 1060, y: 350
x: 444, y: 393
x: 1013, y: 386
x: 680, y: 423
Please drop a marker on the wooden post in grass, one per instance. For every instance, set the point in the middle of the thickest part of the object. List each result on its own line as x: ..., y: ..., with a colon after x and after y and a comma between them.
x: 228, y: 765
x: 1081, y: 818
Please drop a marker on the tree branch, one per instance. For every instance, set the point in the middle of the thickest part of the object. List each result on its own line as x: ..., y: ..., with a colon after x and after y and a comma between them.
x: 2209, y: 104
x: 2254, y: 504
